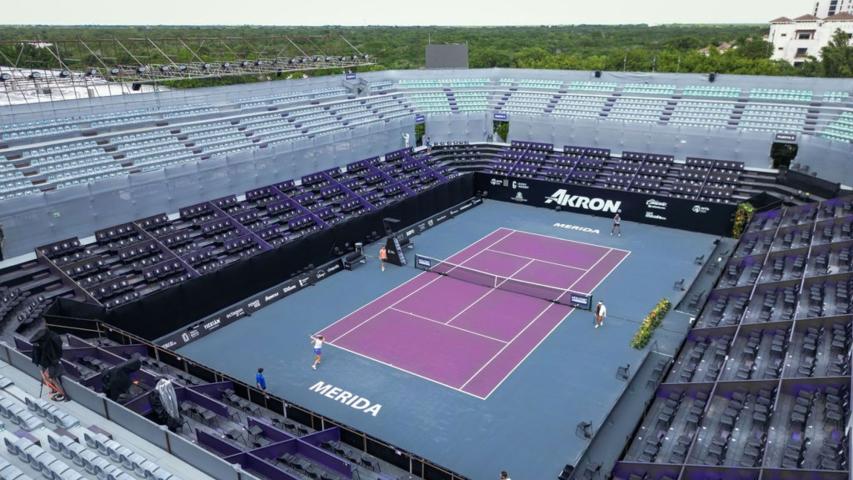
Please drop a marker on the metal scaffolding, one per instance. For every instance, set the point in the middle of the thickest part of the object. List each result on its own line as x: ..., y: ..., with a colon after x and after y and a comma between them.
x: 36, y: 70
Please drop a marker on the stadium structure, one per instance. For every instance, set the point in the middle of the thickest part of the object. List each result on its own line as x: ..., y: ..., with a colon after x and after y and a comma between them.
x: 177, y: 241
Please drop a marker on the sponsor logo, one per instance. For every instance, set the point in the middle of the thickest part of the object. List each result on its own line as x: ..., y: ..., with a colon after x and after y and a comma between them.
x: 654, y: 216
x: 519, y: 197
x: 656, y: 204
x: 212, y: 324
x: 333, y: 268
x: 169, y: 344
x: 185, y: 337
x: 254, y: 304
x: 288, y: 288
x: 579, y: 300
x: 440, y: 218
x: 577, y: 228
x: 430, y: 222
x: 476, y: 201
x: 424, y: 262
x: 700, y: 209
x: 347, y: 398
x: 320, y: 275
x: 304, y: 281
x: 496, y: 182
x: 454, y: 212
x: 271, y: 296
x: 466, y: 206
x: 561, y: 197
x: 519, y: 185
x: 235, y: 313
x: 422, y: 227
x: 410, y: 232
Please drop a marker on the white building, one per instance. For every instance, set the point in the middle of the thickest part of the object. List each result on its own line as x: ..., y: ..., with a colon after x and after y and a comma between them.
x: 796, y: 40
x: 828, y: 8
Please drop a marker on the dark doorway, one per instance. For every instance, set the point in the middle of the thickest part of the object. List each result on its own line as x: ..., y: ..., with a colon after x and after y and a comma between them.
x: 783, y: 154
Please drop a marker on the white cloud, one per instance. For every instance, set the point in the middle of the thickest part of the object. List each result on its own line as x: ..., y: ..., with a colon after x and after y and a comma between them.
x: 396, y: 12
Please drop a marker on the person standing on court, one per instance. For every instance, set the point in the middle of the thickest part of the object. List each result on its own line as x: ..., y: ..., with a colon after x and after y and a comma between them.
x: 505, y: 475
x: 383, y: 256
x: 600, y: 314
x: 317, y: 341
x: 260, y: 381
x: 617, y: 224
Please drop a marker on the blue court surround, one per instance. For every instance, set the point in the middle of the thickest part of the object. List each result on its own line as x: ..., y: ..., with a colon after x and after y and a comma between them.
x: 527, y: 426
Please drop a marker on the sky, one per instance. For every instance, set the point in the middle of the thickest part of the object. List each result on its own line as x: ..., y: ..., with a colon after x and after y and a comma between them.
x: 396, y: 12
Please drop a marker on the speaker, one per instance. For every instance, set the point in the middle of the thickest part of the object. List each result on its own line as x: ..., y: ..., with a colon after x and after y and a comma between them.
x: 136, y: 86
x: 712, y: 76
x: 598, y: 74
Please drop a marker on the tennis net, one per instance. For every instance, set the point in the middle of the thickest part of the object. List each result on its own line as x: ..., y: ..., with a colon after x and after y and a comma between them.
x: 490, y: 280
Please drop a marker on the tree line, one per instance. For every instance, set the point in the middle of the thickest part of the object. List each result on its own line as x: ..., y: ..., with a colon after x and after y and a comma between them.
x: 732, y: 49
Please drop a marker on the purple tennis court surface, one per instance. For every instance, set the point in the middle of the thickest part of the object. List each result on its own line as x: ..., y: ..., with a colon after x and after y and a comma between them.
x: 465, y: 336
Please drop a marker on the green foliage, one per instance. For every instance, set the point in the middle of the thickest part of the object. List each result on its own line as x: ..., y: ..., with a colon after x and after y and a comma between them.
x: 838, y: 56
x: 502, y: 130
x: 743, y: 215
x: 663, y: 48
x: 652, y: 321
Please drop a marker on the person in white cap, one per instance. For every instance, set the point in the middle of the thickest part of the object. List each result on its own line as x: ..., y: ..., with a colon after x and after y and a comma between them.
x: 600, y: 314
x: 617, y: 224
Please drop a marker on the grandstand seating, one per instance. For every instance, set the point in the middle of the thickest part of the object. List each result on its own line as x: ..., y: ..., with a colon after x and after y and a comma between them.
x: 840, y: 129
x: 172, y: 135
x: 763, y: 380
x: 44, y: 439
x: 132, y: 260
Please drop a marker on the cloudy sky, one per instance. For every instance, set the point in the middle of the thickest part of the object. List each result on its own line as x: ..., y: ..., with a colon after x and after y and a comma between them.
x: 396, y: 12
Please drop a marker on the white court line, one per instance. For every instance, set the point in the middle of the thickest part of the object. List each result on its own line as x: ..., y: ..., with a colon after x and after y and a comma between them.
x: 447, y: 325
x: 567, y: 240
x: 610, y: 250
x: 406, y: 371
x: 537, y: 259
x: 407, y: 296
x: 615, y: 267
x: 593, y: 268
x: 524, y: 330
x: 487, y: 293
x: 537, y: 317
x: 410, y: 280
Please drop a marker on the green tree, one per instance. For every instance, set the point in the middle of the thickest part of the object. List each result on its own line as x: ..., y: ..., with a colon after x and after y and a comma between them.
x: 838, y: 56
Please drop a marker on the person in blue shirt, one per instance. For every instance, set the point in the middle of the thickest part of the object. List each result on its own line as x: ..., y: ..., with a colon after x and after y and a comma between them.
x: 260, y: 381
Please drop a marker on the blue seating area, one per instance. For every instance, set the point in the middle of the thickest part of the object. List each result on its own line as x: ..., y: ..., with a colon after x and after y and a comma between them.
x: 75, y: 162
x: 711, y: 91
x: 637, y: 110
x: 781, y: 94
x: 527, y: 102
x: 768, y: 117
x: 581, y: 106
x: 840, y: 129
x: 196, y: 130
x: 649, y: 88
x: 593, y: 86
x: 701, y: 113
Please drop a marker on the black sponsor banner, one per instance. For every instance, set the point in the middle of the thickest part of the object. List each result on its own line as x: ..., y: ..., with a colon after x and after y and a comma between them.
x: 232, y: 314
x: 692, y: 215
x: 441, y: 217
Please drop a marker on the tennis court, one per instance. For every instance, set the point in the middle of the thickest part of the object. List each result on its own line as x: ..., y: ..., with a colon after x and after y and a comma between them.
x: 451, y: 326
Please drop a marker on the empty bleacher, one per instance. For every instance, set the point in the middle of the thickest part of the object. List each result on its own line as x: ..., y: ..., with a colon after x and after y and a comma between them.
x: 762, y: 383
